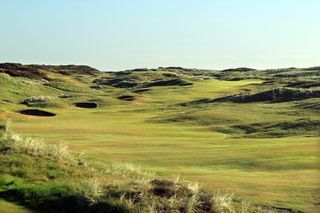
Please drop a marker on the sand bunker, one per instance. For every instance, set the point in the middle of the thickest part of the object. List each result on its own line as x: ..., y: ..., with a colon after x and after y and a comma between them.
x: 172, y: 82
x: 127, y: 98
x: 142, y: 90
x: 36, y: 112
x: 86, y: 105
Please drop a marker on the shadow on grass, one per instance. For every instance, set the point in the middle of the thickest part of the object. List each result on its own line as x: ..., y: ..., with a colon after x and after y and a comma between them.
x: 60, y: 203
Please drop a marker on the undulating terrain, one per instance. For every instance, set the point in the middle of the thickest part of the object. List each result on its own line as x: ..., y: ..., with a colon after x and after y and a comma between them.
x: 252, y: 133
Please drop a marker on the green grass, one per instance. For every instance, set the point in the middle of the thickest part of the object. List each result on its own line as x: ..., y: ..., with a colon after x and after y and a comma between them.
x: 198, y: 142
x: 12, y: 208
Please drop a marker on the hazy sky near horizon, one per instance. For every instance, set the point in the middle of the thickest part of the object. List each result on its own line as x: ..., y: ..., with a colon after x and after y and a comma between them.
x: 123, y: 34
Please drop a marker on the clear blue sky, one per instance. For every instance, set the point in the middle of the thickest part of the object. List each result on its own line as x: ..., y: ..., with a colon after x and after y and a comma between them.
x: 121, y: 34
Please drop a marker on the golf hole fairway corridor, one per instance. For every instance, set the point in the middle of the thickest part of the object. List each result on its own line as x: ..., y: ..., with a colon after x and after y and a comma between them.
x: 264, y: 152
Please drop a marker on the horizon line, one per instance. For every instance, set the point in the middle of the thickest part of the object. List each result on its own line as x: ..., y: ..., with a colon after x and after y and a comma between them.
x: 149, y: 68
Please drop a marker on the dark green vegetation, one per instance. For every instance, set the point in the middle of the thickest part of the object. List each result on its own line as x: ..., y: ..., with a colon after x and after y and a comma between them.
x: 254, y: 133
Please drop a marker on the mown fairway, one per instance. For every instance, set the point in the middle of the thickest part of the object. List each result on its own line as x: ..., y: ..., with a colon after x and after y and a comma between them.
x: 155, y: 132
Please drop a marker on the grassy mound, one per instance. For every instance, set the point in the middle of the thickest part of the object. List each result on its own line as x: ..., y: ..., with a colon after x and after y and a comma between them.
x: 270, y: 74
x: 39, y: 101
x: 19, y: 70
x: 74, y: 69
x: 148, y: 78
x: 308, y: 105
x: 274, y: 95
x: 121, y: 83
x: 40, y: 72
x: 118, y: 82
x: 274, y: 129
x: 240, y: 69
x: 304, y: 84
x: 173, y: 82
x: 277, y: 95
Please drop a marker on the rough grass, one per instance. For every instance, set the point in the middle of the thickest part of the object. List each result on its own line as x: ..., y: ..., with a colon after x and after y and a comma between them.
x: 39, y: 101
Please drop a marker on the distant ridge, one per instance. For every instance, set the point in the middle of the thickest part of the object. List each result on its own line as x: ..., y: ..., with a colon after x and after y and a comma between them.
x: 34, y: 71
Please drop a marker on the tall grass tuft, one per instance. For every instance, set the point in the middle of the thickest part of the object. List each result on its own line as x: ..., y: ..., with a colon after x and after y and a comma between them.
x: 192, y: 204
x: 6, y: 128
x: 58, y: 152
x: 223, y: 203
x: 23, y: 144
x: 92, y: 190
x: 194, y: 187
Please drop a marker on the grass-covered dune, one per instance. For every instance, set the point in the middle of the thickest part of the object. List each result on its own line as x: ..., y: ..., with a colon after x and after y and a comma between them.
x: 169, y: 122
x: 274, y: 95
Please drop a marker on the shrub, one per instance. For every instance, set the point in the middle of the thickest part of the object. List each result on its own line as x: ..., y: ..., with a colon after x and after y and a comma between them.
x: 38, y: 101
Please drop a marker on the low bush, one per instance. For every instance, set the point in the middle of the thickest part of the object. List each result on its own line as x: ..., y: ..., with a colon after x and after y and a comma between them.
x: 38, y: 101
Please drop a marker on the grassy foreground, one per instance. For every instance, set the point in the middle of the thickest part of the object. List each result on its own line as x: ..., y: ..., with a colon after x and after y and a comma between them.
x: 51, y: 179
x: 263, y: 151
